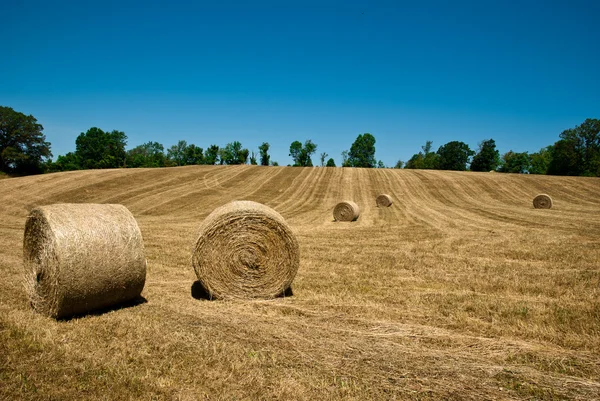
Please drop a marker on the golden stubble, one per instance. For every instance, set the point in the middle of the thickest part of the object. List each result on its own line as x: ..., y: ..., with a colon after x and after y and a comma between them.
x: 459, y: 290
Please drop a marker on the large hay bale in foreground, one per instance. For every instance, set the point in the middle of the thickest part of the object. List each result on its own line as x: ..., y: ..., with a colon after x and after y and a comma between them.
x: 346, y: 211
x: 542, y: 201
x: 82, y: 257
x: 245, y: 250
x: 384, y: 200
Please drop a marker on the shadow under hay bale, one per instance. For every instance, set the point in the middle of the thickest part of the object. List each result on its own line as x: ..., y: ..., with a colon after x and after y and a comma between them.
x: 542, y: 201
x: 384, y: 200
x: 81, y: 258
x: 244, y: 250
x: 346, y: 211
x: 200, y: 293
x: 139, y: 300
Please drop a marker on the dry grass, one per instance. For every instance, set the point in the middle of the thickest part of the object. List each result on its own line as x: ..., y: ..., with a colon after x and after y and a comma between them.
x: 462, y: 290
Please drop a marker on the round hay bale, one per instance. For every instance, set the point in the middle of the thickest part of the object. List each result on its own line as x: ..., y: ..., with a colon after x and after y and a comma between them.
x: 346, y: 211
x: 384, y: 200
x: 245, y: 250
x: 542, y: 201
x: 82, y: 257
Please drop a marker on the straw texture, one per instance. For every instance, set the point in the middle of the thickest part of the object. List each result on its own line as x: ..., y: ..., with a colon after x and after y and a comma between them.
x: 384, y: 200
x: 346, y: 211
x: 82, y: 257
x: 542, y: 201
x: 245, y: 250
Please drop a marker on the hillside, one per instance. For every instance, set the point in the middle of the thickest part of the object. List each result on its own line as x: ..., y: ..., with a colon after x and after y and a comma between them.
x: 459, y: 290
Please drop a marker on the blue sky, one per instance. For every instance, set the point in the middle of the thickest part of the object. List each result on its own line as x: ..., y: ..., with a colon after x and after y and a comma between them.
x: 519, y: 72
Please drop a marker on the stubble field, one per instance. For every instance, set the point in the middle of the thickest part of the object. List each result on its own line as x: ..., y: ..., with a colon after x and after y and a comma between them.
x: 459, y: 290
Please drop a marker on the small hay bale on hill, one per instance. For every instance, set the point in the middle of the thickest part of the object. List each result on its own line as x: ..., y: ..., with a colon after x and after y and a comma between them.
x: 346, y: 211
x: 542, y: 201
x: 82, y: 257
x: 245, y: 250
x: 384, y: 200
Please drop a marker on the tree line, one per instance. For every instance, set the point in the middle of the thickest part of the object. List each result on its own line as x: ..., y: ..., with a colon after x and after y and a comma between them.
x: 576, y: 153
x: 24, y: 150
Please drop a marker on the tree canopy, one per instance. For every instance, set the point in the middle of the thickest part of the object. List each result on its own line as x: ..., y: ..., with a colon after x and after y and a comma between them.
x: 540, y: 161
x: 425, y: 159
x: 515, y: 162
x: 323, y: 157
x: 301, y: 154
x: 98, y: 149
x: 211, y: 155
x: 264, y: 154
x: 233, y: 153
x: 176, y: 153
x: 454, y: 156
x: 150, y: 154
x: 362, y: 151
x: 488, y: 157
x: 23, y: 146
x: 578, y: 150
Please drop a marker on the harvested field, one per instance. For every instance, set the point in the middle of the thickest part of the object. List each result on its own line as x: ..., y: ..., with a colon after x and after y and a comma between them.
x: 461, y: 290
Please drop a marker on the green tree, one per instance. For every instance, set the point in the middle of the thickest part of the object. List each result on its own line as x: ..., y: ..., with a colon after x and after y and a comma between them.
x: 150, y: 154
x: 416, y: 161
x: 253, y: 159
x: 454, y: 156
x: 578, y: 150
x: 243, y: 156
x: 380, y: 164
x: 540, y: 161
x: 98, y: 149
x: 233, y: 153
x: 176, y: 153
x: 345, y: 161
x: 302, y: 153
x: 399, y: 164
x: 23, y: 146
x: 362, y: 151
x: 193, y: 155
x: 68, y: 162
x: 296, y: 152
x: 211, y: 155
x: 488, y: 157
x: 264, y: 154
x: 330, y: 162
x: 427, y: 159
x: 323, y: 157
x: 515, y: 162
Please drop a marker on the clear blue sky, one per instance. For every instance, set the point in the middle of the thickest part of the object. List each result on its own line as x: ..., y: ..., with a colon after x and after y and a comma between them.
x: 519, y: 72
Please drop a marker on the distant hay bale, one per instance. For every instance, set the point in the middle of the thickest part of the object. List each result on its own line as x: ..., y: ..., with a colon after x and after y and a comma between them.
x: 384, y: 200
x: 542, y: 201
x: 82, y: 257
x: 346, y: 211
x: 245, y: 250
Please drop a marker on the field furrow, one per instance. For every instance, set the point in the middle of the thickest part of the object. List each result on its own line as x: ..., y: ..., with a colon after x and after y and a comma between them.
x: 459, y: 290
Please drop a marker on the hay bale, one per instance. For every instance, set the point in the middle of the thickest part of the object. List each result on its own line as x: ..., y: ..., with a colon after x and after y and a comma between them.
x: 245, y: 250
x: 346, y: 211
x: 542, y: 201
x: 384, y: 200
x: 82, y: 257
